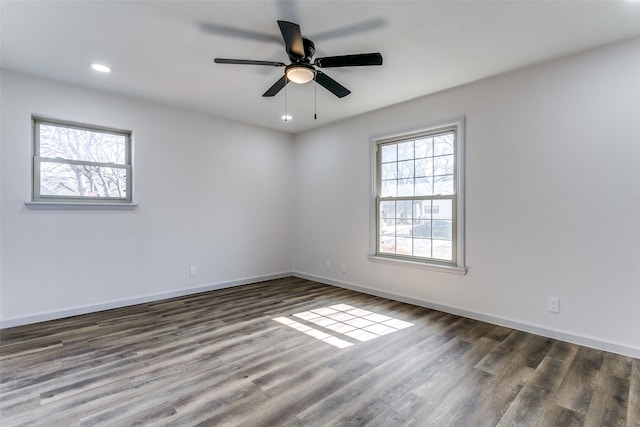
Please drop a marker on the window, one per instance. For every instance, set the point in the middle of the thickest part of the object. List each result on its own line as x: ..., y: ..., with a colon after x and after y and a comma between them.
x: 82, y: 163
x: 419, y: 196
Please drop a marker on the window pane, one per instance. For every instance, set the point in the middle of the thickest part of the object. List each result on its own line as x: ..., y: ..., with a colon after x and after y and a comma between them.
x: 424, y: 167
x: 443, y: 144
x: 405, y: 169
x: 404, y: 246
x: 387, y: 209
x: 61, y: 179
x: 81, y: 144
x: 405, y: 187
x: 442, y: 250
x: 403, y: 229
x: 388, y: 153
x: 422, y: 228
x: 443, y: 165
x: 422, y: 209
x: 389, y: 170
x: 424, y: 186
x: 443, y: 185
x: 387, y: 244
x: 405, y: 150
x: 442, y: 209
x: 388, y: 227
x: 389, y: 188
x: 442, y: 229
x: 424, y: 147
x: 422, y: 248
x: 404, y: 211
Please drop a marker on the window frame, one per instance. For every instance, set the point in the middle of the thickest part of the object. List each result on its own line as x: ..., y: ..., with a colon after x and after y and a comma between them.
x: 457, y: 125
x: 57, y: 201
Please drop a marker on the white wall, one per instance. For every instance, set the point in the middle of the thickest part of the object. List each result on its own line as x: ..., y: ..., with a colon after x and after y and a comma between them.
x: 553, y: 200
x: 211, y: 193
x: 553, y: 203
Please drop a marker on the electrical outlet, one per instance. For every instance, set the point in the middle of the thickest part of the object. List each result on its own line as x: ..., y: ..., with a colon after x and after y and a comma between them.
x: 553, y: 304
x: 327, y: 265
x: 193, y: 271
x: 343, y: 267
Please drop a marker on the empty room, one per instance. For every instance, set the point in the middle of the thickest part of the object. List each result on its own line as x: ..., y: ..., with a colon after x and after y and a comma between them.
x: 320, y: 213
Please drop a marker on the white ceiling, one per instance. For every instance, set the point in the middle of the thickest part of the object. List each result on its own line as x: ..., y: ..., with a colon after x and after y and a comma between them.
x: 163, y: 50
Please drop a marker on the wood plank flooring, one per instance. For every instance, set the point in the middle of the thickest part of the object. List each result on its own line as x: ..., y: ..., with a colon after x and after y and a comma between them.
x: 331, y: 357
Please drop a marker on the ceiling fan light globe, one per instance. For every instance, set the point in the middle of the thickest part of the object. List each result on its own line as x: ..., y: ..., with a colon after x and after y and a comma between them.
x: 300, y: 73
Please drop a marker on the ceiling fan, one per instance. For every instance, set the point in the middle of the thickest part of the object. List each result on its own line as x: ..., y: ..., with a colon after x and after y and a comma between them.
x: 301, y: 69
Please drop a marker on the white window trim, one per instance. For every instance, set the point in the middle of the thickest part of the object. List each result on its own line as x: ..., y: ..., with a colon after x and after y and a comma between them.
x: 460, y: 267
x: 39, y: 202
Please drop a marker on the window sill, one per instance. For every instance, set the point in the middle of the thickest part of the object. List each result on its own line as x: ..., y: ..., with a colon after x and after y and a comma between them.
x: 80, y: 206
x: 409, y: 263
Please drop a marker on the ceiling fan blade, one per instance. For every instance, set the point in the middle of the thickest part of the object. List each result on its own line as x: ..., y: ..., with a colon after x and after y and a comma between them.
x: 239, y: 33
x: 348, y: 29
x: 277, y: 87
x: 247, y: 62
x: 292, y: 38
x: 358, y: 60
x: 331, y: 85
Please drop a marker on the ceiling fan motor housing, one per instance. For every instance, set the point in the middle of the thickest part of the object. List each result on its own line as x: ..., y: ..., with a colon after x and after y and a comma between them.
x: 309, y: 51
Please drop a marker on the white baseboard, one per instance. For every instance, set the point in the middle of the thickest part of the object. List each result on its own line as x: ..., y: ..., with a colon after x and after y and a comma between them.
x: 567, y: 336
x: 561, y: 335
x: 75, y: 311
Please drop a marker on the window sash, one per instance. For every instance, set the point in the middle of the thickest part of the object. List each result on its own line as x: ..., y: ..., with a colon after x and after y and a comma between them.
x: 454, y: 230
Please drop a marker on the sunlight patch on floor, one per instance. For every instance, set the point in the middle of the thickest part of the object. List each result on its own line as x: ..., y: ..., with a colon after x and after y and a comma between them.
x: 343, y: 319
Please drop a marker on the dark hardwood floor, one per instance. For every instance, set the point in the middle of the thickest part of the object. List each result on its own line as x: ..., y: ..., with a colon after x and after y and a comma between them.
x: 291, y: 352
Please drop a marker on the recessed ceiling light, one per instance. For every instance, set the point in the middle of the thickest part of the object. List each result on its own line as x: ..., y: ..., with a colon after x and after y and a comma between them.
x: 286, y: 117
x: 101, y: 68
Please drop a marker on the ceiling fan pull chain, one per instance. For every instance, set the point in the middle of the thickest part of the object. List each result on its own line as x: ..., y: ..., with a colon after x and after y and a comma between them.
x: 286, y: 113
x: 315, y: 98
